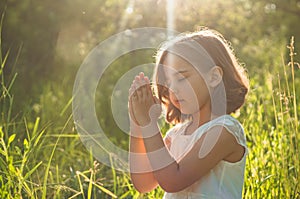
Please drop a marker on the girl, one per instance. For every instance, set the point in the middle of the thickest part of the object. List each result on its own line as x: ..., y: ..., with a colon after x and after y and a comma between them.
x: 199, y: 83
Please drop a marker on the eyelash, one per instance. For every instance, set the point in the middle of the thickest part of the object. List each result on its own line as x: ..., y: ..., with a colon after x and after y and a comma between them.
x: 178, y: 80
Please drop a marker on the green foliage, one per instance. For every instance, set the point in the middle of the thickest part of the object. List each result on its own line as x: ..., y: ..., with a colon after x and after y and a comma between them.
x: 41, y: 155
x: 29, y: 164
x: 272, y: 127
x: 270, y: 119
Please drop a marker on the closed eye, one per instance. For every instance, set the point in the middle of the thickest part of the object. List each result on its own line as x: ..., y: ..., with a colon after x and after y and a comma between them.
x: 182, y: 79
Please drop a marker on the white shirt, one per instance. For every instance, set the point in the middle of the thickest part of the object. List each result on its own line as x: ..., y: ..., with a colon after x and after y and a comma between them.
x: 225, y: 180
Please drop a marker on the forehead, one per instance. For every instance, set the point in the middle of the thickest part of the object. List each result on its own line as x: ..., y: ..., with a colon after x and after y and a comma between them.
x: 173, y: 64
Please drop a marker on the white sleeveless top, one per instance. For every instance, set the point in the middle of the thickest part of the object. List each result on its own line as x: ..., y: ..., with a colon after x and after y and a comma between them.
x: 225, y: 180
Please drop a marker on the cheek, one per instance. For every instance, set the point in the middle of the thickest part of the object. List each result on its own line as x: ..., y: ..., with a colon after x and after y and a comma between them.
x: 191, y: 88
x: 199, y: 92
x: 203, y: 96
x: 173, y: 98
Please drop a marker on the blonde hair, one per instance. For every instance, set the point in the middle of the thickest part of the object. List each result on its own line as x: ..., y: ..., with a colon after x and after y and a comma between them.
x: 234, y: 77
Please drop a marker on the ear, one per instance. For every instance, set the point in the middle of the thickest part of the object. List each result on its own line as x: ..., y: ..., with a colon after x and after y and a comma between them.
x: 215, y: 76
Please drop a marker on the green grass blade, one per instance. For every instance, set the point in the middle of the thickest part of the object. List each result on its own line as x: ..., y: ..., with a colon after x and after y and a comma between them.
x: 28, y: 174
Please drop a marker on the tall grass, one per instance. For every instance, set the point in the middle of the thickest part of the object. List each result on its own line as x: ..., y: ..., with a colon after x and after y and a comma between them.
x: 41, y: 155
x: 31, y: 167
x: 272, y: 125
x: 44, y: 159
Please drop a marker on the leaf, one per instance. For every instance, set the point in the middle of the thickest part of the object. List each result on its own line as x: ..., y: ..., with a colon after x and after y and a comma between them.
x: 38, y: 137
x: 32, y: 170
x: 25, y: 143
x: 12, y: 169
x: 36, y: 125
x: 11, y: 139
x: 1, y: 132
x: 105, y: 190
x: 2, y: 152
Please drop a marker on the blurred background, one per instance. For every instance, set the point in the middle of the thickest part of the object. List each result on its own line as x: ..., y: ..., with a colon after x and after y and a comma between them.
x: 50, y: 39
x: 44, y: 43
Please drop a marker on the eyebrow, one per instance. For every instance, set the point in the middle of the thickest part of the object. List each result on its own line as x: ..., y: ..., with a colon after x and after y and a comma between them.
x: 180, y: 72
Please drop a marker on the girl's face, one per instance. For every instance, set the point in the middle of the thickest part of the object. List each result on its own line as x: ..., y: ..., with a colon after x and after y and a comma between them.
x: 188, y: 90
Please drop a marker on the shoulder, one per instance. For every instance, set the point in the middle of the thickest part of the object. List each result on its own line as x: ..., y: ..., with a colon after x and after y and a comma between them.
x: 227, y: 123
x: 213, y: 147
x: 224, y: 136
x: 219, y: 139
x: 231, y: 126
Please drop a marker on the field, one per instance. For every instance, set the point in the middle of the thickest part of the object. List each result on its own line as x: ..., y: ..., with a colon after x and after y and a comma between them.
x: 41, y: 155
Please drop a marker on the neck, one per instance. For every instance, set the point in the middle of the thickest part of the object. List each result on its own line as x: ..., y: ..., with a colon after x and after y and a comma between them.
x: 203, y: 115
x: 198, y: 119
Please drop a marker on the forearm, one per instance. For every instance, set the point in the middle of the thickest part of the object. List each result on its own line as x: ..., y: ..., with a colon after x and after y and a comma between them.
x: 165, y: 168
x: 140, y: 168
x: 139, y: 162
x: 149, y: 158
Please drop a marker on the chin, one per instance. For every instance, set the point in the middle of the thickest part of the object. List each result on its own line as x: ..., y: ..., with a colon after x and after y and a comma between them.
x: 187, y: 112
x: 190, y: 111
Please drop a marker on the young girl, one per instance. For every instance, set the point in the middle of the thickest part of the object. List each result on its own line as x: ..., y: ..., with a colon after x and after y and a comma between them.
x: 199, y: 83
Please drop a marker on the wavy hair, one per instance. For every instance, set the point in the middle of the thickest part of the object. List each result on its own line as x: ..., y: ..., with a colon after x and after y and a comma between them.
x: 234, y: 76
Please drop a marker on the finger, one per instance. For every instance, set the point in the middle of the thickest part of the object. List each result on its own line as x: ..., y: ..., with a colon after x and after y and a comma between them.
x: 147, y: 81
x: 131, y: 100
x: 131, y: 91
x: 141, y: 81
x: 143, y: 87
x: 135, y: 86
x: 142, y: 75
x: 131, y: 114
x: 148, y: 87
x: 138, y: 87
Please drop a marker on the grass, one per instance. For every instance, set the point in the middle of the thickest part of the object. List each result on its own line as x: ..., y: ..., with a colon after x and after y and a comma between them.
x: 42, y: 157
x: 272, y: 124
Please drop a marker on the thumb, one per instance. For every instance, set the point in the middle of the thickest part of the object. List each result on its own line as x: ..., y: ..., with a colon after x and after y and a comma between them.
x: 155, y: 109
x: 156, y: 100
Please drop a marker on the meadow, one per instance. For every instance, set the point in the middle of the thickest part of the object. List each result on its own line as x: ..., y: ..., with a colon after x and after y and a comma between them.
x: 41, y: 155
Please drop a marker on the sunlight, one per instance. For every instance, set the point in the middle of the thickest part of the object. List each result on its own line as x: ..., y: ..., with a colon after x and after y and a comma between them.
x: 71, y: 42
x: 170, y: 17
x: 128, y: 11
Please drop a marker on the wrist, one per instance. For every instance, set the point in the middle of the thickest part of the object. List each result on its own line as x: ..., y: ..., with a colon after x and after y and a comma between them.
x: 144, y: 121
x: 150, y: 130
x: 135, y: 129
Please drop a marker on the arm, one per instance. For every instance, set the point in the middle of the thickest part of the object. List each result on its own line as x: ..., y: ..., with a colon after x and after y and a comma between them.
x: 140, y: 168
x: 142, y: 181
x: 179, y: 175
